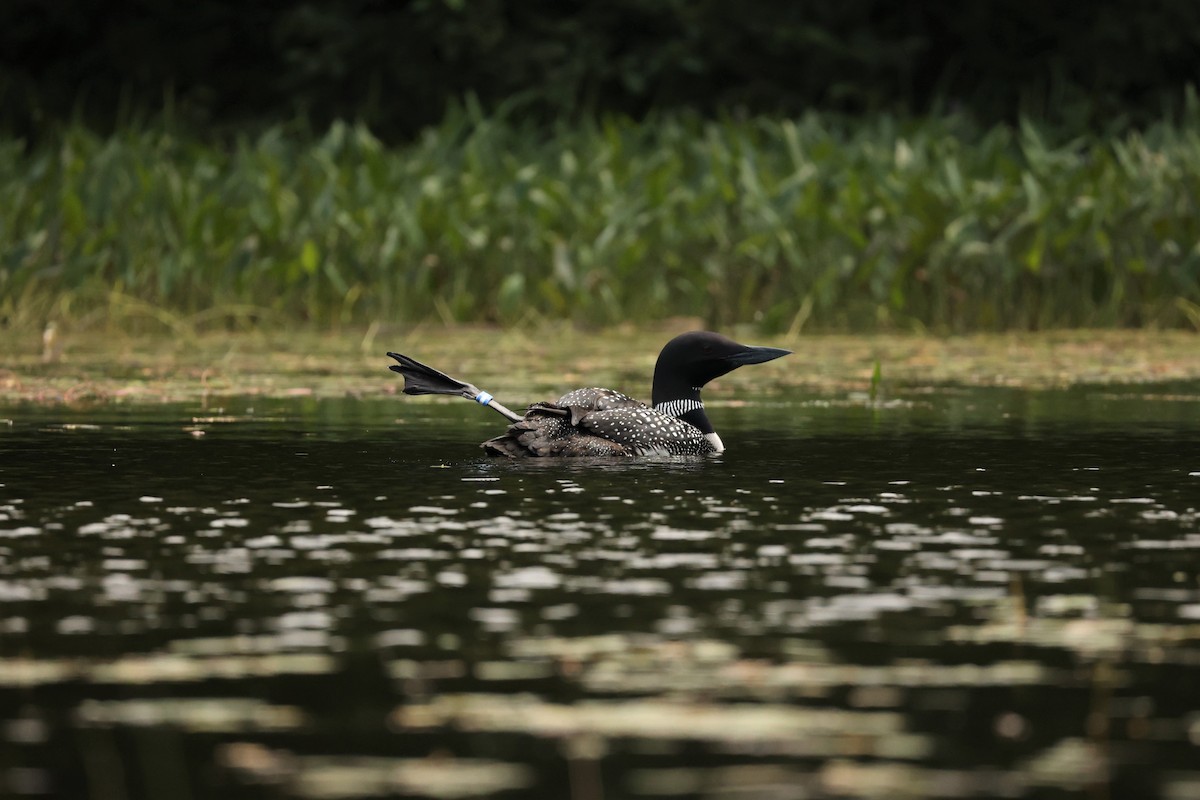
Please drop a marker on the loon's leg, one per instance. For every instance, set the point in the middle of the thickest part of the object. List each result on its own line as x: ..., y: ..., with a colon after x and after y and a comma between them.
x: 422, y: 379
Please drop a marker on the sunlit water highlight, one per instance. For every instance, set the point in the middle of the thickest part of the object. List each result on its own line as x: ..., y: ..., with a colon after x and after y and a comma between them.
x: 950, y: 594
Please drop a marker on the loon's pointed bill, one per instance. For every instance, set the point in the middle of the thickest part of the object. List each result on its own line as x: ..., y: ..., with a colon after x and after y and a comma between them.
x: 603, y: 422
x: 757, y: 355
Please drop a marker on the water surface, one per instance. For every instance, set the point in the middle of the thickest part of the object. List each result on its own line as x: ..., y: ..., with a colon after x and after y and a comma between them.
x: 950, y: 593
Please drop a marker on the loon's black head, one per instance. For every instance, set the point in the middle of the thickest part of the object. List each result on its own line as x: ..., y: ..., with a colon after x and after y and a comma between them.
x: 692, y: 359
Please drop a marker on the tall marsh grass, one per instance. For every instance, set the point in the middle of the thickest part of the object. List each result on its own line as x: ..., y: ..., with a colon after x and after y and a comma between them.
x: 787, y: 223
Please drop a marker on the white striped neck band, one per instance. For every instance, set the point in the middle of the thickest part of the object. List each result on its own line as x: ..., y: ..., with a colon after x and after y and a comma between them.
x: 677, y: 408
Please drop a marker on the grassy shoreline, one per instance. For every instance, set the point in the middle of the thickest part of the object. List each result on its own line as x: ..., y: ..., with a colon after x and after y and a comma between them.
x: 810, y: 224
x: 521, y: 366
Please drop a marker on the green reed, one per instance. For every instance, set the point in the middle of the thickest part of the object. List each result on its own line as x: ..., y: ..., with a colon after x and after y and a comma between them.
x: 815, y: 222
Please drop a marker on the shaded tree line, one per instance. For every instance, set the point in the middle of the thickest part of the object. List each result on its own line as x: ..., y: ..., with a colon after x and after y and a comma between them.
x: 397, y: 64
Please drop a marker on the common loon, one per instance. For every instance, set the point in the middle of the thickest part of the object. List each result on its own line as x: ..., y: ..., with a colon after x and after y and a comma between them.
x: 604, y: 422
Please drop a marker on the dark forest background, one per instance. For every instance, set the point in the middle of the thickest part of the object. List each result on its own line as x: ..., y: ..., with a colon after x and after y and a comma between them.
x: 396, y: 64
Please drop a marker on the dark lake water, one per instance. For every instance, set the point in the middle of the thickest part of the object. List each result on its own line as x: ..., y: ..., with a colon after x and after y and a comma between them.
x: 959, y: 593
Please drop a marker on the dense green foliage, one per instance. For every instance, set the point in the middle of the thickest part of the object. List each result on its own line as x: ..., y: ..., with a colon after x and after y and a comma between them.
x: 397, y: 64
x: 809, y: 222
